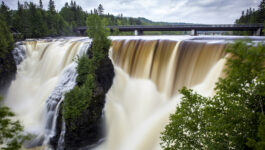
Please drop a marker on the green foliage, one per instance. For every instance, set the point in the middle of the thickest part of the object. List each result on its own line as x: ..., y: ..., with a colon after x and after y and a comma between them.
x: 99, y: 33
x: 11, y: 137
x: 251, y: 16
x: 84, y: 68
x: 73, y: 14
x: 78, y: 100
x: 260, y: 144
x: 230, y: 119
x: 5, y: 13
x: 6, y: 40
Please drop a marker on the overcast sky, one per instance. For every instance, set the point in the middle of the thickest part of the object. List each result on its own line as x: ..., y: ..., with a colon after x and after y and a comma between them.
x: 189, y: 11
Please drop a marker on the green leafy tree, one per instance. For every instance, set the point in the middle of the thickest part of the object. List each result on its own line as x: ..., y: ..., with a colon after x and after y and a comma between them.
x: 11, y: 137
x: 234, y: 117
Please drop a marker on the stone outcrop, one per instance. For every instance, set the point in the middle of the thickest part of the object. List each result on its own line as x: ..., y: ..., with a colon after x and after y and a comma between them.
x: 89, y: 128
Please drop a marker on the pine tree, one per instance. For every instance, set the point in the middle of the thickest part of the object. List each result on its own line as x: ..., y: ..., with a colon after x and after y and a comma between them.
x: 100, y: 9
x: 262, y: 5
x: 5, y: 12
x: 41, y: 5
x: 261, y: 12
x: 51, y: 7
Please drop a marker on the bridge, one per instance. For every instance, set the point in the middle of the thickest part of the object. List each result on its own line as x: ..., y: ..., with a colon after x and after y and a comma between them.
x: 194, y: 28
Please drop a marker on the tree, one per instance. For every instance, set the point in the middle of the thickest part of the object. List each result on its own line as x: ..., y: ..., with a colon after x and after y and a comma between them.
x: 261, y: 12
x: 234, y: 117
x: 100, y: 9
x: 51, y: 7
x: 262, y: 5
x: 41, y: 5
x: 5, y: 12
x: 6, y: 40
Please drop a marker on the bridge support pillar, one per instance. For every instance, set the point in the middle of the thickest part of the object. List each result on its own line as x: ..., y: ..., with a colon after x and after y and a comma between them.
x: 193, y: 32
x: 258, y: 32
x: 138, y: 32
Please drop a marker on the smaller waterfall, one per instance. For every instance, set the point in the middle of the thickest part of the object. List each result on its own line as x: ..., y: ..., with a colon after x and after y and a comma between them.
x: 46, y: 70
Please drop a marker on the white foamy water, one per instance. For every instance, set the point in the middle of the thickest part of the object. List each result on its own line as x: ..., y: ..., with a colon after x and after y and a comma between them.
x: 47, y: 71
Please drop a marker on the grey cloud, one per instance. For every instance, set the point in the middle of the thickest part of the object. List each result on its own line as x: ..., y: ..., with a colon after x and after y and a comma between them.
x: 192, y: 11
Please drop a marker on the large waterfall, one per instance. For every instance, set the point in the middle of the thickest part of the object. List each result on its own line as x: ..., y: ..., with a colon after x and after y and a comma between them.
x: 148, y: 74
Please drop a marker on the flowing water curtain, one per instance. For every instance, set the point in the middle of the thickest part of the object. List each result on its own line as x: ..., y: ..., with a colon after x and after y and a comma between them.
x: 169, y: 64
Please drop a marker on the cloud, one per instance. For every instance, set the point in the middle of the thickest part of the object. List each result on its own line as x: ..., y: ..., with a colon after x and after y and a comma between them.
x: 190, y: 11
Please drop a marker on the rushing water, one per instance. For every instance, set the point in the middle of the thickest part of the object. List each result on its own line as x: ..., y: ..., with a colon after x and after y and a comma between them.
x: 149, y: 74
x: 149, y: 71
x: 47, y: 71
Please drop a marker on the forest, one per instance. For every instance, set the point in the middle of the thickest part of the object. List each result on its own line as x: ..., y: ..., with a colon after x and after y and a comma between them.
x: 31, y: 20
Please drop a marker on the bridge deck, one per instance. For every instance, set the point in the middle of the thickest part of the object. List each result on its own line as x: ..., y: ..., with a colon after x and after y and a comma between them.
x: 195, y: 27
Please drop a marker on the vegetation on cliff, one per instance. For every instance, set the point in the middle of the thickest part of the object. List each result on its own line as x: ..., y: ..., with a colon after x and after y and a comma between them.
x: 233, y: 118
x: 80, y: 98
x: 83, y: 106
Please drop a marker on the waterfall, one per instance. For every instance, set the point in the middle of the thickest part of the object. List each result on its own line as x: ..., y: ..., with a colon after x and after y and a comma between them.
x: 46, y: 70
x: 148, y: 75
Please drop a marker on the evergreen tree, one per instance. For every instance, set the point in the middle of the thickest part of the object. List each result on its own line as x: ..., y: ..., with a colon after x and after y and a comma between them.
x: 100, y: 9
x: 6, y: 39
x: 261, y: 12
x: 5, y: 12
x: 262, y: 5
x: 51, y: 7
x: 40, y: 4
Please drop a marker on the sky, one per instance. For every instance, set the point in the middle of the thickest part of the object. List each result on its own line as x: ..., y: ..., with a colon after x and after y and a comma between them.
x: 188, y: 11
